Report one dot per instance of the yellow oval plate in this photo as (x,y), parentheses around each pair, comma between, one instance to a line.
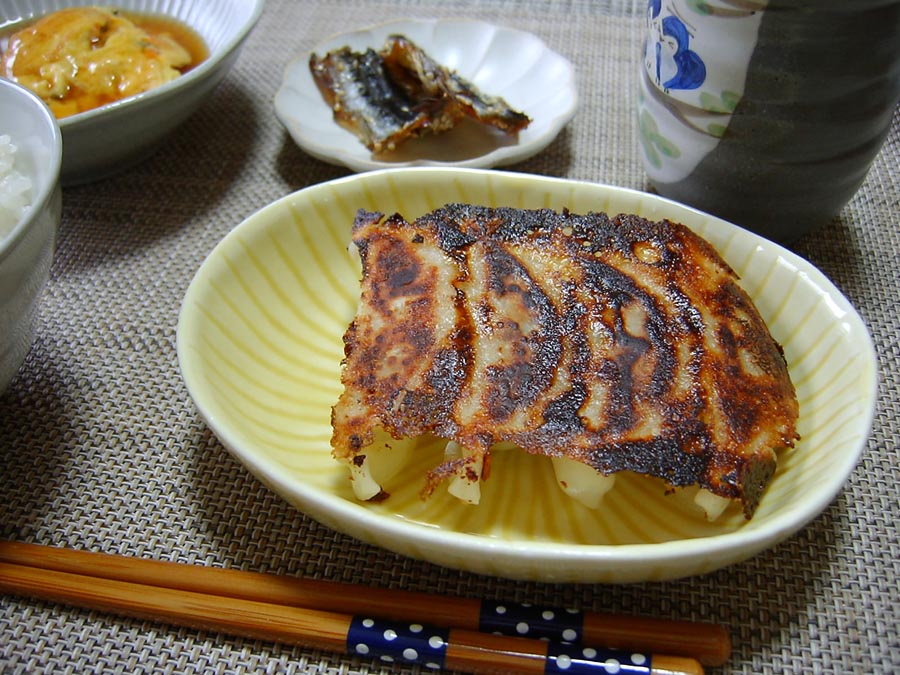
(260,348)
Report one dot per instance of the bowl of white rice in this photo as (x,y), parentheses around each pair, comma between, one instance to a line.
(30,207)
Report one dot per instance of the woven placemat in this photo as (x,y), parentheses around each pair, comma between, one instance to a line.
(102,449)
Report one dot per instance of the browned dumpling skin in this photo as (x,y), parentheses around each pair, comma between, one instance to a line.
(80,58)
(618,343)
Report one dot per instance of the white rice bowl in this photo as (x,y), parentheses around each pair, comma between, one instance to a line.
(30,209)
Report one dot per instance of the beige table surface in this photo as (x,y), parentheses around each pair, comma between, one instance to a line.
(102,449)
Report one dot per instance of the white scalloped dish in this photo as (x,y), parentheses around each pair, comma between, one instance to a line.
(500,61)
(260,348)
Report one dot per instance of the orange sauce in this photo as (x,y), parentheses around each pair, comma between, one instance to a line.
(187,37)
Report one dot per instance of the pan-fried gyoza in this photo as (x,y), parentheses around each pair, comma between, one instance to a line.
(607,344)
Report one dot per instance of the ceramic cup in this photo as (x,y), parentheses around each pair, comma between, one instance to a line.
(768,114)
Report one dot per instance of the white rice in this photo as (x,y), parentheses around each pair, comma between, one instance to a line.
(15,188)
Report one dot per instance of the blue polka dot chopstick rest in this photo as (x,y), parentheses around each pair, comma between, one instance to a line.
(475,636)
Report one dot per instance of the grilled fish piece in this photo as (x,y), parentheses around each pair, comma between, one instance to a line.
(615,343)
(365,101)
(386,98)
(423,79)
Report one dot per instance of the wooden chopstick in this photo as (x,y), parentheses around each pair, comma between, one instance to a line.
(453,649)
(125,585)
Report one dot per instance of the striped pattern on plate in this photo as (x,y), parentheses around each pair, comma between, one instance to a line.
(260,346)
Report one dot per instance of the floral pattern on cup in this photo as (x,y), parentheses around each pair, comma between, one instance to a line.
(695,63)
(670,59)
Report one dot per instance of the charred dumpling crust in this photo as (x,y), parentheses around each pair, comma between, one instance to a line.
(620,343)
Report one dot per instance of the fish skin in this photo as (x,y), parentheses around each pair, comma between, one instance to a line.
(422,78)
(388,97)
(364,100)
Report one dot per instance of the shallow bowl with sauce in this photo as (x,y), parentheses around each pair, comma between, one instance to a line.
(106,140)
